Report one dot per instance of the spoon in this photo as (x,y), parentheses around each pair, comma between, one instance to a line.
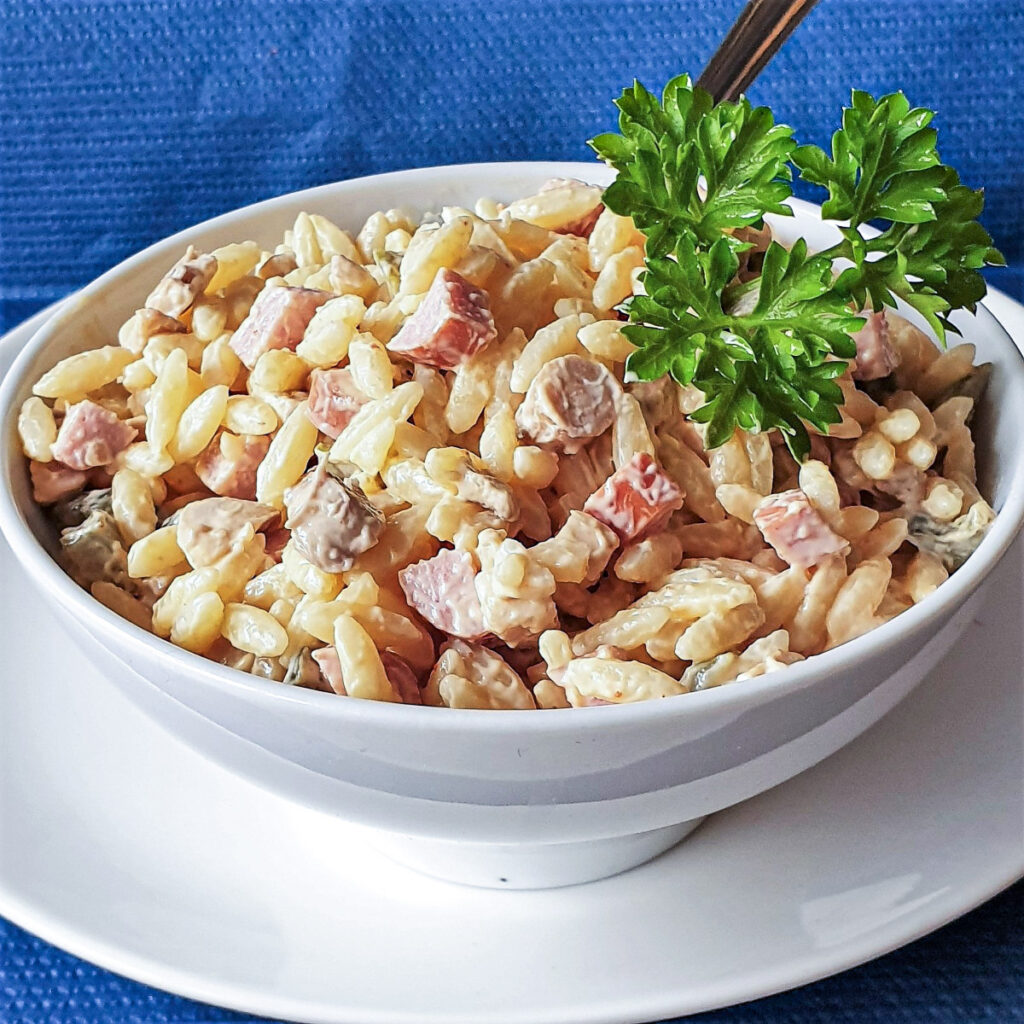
(755,37)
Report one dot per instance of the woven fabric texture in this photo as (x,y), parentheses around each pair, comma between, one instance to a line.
(126,120)
(969,972)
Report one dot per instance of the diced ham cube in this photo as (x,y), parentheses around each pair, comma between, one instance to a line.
(583,224)
(565,205)
(583,227)
(330,668)
(145,324)
(443,590)
(278,319)
(471,676)
(569,402)
(636,500)
(276,542)
(795,528)
(332,522)
(209,528)
(876,356)
(90,436)
(401,677)
(53,481)
(183,283)
(452,324)
(228,464)
(333,400)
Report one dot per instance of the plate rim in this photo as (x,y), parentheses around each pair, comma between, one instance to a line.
(797,971)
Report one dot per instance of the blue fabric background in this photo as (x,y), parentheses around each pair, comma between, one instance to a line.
(122,121)
(126,120)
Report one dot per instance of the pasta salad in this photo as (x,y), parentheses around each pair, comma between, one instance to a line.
(409,465)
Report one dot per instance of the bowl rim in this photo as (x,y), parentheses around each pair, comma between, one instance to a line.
(47,574)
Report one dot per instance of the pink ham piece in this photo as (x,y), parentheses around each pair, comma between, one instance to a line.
(276,541)
(183,283)
(442,589)
(333,400)
(401,677)
(209,528)
(278,319)
(795,528)
(584,225)
(875,355)
(229,462)
(90,436)
(452,324)
(330,668)
(53,481)
(636,500)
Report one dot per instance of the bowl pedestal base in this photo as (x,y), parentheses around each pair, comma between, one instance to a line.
(528,866)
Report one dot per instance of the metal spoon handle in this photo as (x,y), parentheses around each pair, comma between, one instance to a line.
(755,37)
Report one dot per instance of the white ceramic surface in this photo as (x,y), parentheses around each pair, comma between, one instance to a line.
(126,848)
(553,779)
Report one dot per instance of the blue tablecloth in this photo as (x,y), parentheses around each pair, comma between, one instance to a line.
(126,120)
(970,972)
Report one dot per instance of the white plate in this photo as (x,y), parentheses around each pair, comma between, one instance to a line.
(128,849)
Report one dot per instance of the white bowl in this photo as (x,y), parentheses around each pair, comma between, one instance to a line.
(517,800)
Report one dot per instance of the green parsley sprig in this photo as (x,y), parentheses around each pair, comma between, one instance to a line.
(885,169)
(691,173)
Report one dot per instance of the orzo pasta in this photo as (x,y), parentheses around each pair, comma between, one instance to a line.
(407,466)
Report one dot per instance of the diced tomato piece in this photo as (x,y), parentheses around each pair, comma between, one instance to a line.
(636,500)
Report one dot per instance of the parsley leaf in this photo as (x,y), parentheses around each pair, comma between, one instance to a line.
(883,164)
(766,353)
(770,367)
(690,167)
(885,167)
